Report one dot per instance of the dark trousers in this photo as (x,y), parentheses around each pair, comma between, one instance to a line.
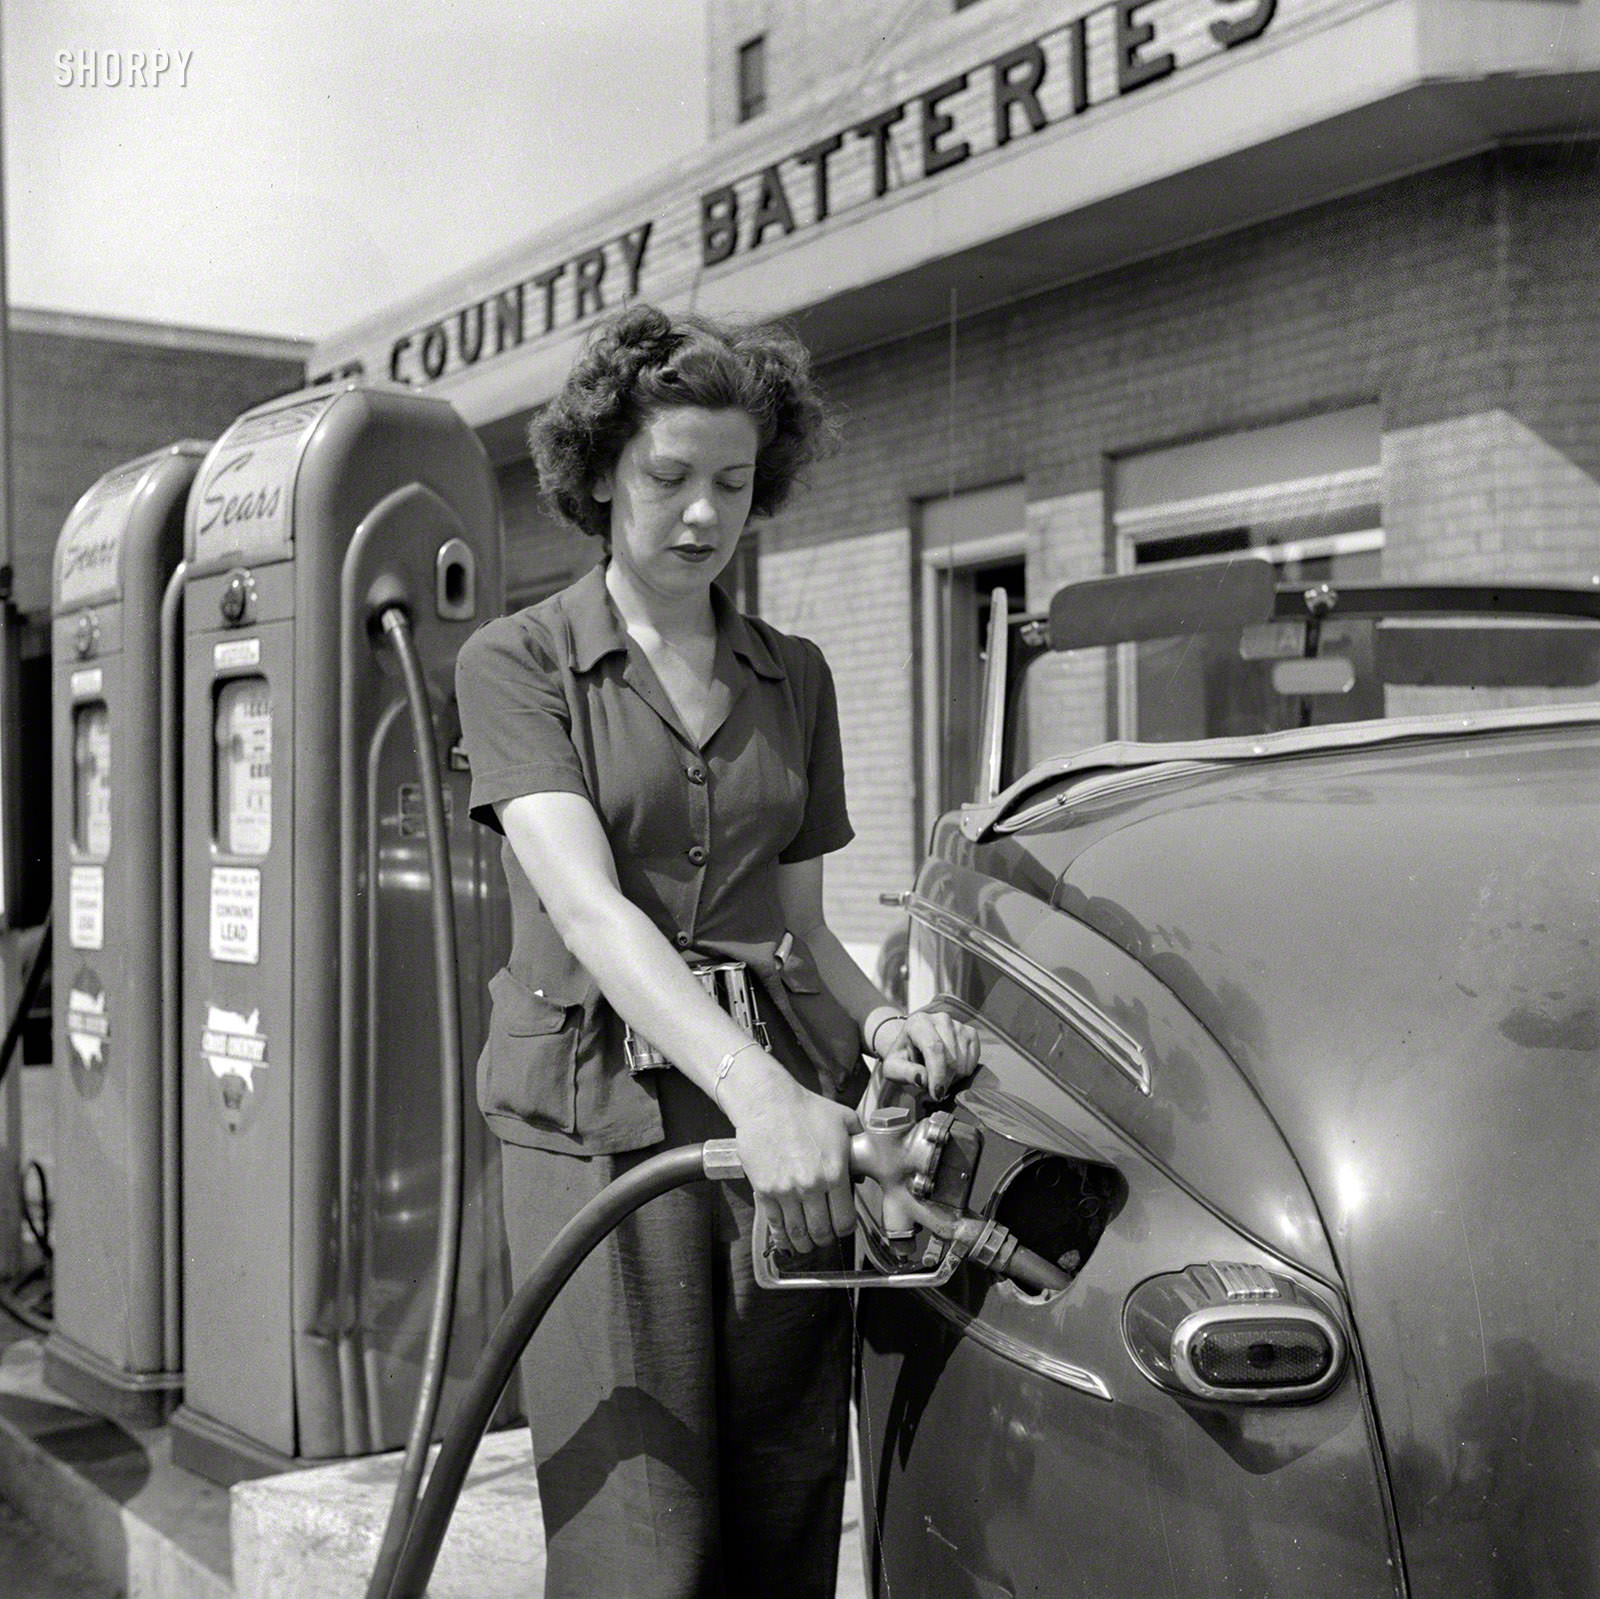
(690,1429)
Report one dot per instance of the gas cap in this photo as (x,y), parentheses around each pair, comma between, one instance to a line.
(888,1118)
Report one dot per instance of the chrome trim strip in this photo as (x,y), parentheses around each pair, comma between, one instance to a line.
(1008,1348)
(992,739)
(1102,785)
(1241,1280)
(1087,1020)
(1192,1325)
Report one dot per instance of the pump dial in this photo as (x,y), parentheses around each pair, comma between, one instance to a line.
(238,602)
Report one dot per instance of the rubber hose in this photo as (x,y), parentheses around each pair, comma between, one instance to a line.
(436,1352)
(30,992)
(15,1306)
(11,1292)
(517,1325)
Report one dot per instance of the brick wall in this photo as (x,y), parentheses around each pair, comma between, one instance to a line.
(1465,302)
(853,598)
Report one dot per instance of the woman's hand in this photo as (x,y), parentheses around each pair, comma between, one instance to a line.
(795,1147)
(933,1050)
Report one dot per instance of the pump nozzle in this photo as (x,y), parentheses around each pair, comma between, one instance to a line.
(923,1171)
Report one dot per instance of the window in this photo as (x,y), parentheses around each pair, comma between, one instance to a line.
(752,77)
(1305,494)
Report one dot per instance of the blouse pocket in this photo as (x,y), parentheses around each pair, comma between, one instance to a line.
(530,1063)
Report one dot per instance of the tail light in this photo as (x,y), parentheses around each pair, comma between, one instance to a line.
(1228,1331)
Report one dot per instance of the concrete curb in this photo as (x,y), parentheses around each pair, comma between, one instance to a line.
(317,1531)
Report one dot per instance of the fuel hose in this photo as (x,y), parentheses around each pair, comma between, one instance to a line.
(30,992)
(12,1292)
(397,627)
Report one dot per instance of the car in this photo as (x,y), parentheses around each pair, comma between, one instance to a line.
(1291,1062)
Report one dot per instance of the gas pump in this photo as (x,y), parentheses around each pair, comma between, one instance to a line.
(115,1343)
(309,1036)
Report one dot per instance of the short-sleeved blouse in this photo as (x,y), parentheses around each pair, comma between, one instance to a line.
(558,697)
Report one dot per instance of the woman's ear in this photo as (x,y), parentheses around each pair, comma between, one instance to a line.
(601,488)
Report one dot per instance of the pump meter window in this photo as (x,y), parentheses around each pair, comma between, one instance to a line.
(91,780)
(244,766)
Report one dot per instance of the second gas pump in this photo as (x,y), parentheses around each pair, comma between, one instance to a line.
(309,1031)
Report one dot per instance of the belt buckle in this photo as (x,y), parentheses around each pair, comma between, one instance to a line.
(728,983)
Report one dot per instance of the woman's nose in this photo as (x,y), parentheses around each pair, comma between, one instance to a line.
(700,512)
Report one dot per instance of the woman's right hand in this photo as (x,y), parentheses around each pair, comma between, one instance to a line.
(795,1148)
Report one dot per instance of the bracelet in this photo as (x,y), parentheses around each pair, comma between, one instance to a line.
(725,1065)
(872,1040)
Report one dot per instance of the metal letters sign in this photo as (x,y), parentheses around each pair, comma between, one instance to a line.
(1107,51)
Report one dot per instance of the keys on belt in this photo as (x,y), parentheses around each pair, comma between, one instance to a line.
(729,984)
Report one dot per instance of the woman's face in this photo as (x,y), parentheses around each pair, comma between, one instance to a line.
(679,497)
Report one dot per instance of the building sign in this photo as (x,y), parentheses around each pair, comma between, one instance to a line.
(1070,70)
(1060,74)
(571,291)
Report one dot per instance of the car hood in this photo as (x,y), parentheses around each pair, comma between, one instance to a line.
(1401,950)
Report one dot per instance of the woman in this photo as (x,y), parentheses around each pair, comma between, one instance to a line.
(668,777)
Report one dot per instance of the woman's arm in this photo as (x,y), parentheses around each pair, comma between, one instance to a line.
(929,1048)
(794,1144)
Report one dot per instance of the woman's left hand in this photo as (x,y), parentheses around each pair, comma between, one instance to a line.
(934,1051)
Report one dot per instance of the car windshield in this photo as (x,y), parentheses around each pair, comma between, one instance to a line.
(1265,677)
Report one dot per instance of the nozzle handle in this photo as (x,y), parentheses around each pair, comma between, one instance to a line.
(886,1155)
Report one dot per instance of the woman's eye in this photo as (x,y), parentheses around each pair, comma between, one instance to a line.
(666,479)
(733,488)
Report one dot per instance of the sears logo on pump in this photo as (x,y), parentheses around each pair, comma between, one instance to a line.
(255,502)
(88,1030)
(241,508)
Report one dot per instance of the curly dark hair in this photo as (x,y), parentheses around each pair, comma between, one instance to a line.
(642,360)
